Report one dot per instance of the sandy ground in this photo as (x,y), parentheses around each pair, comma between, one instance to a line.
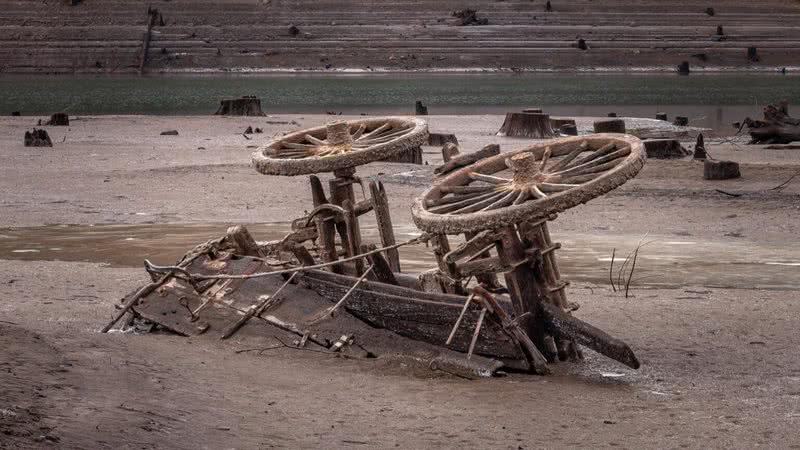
(720,366)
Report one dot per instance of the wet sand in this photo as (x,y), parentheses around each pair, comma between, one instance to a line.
(719,364)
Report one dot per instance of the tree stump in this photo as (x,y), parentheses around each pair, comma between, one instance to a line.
(531,125)
(293,30)
(568,129)
(420,109)
(681,121)
(410,156)
(557,123)
(720,170)
(683,68)
(752,54)
(439,139)
(661,116)
(581,44)
(664,149)
(532,110)
(700,148)
(710,11)
(612,114)
(58,119)
(37,138)
(609,126)
(243,106)
(720,32)
(15,113)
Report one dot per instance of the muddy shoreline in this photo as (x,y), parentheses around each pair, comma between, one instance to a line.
(719,366)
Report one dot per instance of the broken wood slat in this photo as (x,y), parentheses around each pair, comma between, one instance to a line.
(449,151)
(133,299)
(536,361)
(362,207)
(383,273)
(353,235)
(380,204)
(539,235)
(565,326)
(492,264)
(467,159)
(267,301)
(423,320)
(303,256)
(326,230)
(472,246)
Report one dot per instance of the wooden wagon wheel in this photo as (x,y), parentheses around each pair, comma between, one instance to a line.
(528,184)
(340,145)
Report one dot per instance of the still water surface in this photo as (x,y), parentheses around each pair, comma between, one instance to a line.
(710,100)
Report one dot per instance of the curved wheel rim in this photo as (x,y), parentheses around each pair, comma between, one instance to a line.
(529,184)
(340,145)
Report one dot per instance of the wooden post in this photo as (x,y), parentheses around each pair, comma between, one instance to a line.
(353,236)
(380,204)
(325,228)
(341,189)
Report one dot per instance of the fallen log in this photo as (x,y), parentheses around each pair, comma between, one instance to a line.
(467,159)
(777,127)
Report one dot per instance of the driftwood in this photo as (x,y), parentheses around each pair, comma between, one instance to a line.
(467,158)
(37,138)
(609,126)
(720,170)
(243,106)
(449,151)
(58,119)
(523,124)
(777,127)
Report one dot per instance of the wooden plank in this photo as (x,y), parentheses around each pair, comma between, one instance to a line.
(380,204)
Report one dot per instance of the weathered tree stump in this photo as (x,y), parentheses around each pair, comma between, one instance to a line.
(293,30)
(609,126)
(58,119)
(661,116)
(720,32)
(568,129)
(752,54)
(581,44)
(243,106)
(420,109)
(683,68)
(777,127)
(557,123)
(15,113)
(439,139)
(720,170)
(248,130)
(700,148)
(469,17)
(681,121)
(410,156)
(710,11)
(531,125)
(612,114)
(664,149)
(37,138)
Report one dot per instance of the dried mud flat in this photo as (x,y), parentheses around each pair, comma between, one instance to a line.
(720,366)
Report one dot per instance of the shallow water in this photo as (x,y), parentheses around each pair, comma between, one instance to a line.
(710,100)
(662,261)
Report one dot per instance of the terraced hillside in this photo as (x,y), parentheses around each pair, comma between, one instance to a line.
(107,35)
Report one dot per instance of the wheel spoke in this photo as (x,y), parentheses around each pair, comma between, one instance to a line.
(296,145)
(535,192)
(463,203)
(314,140)
(577,179)
(452,199)
(523,196)
(567,159)
(488,178)
(505,201)
(556,187)
(625,151)
(477,206)
(465,189)
(597,153)
(375,131)
(545,158)
(359,131)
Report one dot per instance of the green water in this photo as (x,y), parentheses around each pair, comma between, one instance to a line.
(710,99)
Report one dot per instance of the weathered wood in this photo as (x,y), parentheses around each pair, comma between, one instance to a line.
(681,121)
(557,123)
(383,219)
(303,256)
(449,151)
(609,126)
(58,119)
(720,170)
(473,245)
(568,130)
(440,139)
(661,116)
(325,228)
(467,159)
(242,241)
(420,109)
(664,149)
(531,125)
(353,234)
(243,106)
(409,316)
(144,291)
(37,138)
(700,148)
(380,267)
(777,127)
(411,156)
(476,267)
(563,325)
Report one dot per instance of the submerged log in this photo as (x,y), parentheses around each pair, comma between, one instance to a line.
(531,125)
(664,149)
(243,106)
(58,119)
(720,170)
(609,126)
(777,127)
(37,138)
